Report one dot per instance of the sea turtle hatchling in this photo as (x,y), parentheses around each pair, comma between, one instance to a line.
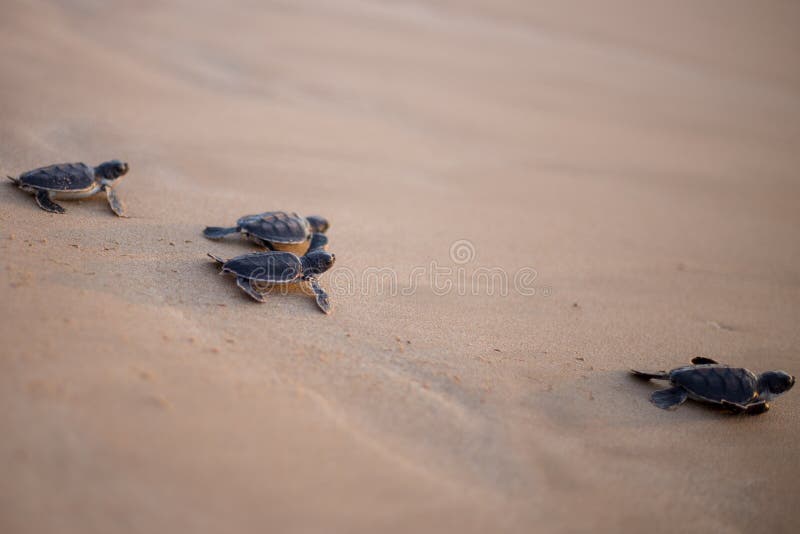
(256,270)
(73,180)
(736,389)
(273,227)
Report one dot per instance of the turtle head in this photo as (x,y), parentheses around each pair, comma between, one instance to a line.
(317,262)
(111,170)
(773,383)
(318,224)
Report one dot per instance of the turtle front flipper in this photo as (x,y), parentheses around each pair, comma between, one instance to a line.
(323,300)
(45,201)
(734,407)
(248,288)
(669,399)
(217,232)
(318,242)
(114,202)
(700,360)
(757,408)
(749,409)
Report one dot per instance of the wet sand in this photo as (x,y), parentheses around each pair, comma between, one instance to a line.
(639,163)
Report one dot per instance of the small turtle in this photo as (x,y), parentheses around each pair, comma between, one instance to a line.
(736,389)
(277,267)
(273,227)
(73,180)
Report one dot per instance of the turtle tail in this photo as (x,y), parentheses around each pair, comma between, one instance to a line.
(12,179)
(216,259)
(647,375)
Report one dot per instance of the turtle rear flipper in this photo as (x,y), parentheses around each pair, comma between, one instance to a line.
(248,288)
(45,201)
(218,232)
(669,399)
(700,360)
(647,375)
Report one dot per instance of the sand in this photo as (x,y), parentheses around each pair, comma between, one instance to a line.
(637,162)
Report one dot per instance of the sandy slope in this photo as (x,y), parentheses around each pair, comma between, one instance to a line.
(641,158)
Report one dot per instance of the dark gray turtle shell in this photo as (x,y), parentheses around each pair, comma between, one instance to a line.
(276,227)
(61,177)
(717,383)
(272,267)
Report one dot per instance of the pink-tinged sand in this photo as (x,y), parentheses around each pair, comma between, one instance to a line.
(642,158)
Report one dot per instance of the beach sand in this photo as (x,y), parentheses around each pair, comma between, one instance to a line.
(633,168)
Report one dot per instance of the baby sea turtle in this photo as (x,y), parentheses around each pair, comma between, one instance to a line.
(733,388)
(254,271)
(73,180)
(273,227)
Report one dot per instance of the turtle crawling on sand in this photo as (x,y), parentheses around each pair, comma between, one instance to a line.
(734,388)
(73,180)
(258,269)
(273,227)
